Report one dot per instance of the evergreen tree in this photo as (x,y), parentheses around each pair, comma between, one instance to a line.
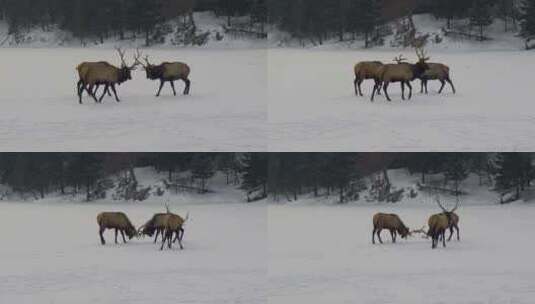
(255,175)
(514,171)
(456,166)
(480,16)
(528,18)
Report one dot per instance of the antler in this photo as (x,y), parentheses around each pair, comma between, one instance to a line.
(167,207)
(440,205)
(421,230)
(121,55)
(399,59)
(137,55)
(420,52)
(456,204)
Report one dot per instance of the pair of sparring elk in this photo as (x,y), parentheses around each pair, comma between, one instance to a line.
(401,71)
(164,224)
(167,224)
(93,74)
(438,224)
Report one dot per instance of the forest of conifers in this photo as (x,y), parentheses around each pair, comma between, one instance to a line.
(305,19)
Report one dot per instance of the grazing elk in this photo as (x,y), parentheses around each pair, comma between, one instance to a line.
(103,73)
(436,71)
(365,70)
(402,72)
(439,223)
(172,224)
(156,224)
(167,71)
(118,221)
(392,222)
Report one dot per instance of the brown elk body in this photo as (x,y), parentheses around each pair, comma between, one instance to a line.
(365,70)
(167,72)
(439,223)
(399,72)
(103,73)
(392,222)
(157,224)
(118,221)
(82,69)
(436,71)
(172,224)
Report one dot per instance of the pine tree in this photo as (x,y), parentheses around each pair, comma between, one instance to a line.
(368,18)
(202,168)
(480,16)
(528,18)
(514,171)
(254,175)
(456,166)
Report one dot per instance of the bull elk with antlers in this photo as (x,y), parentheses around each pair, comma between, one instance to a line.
(400,71)
(103,73)
(392,222)
(440,222)
(167,71)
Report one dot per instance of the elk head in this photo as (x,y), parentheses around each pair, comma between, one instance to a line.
(445,211)
(125,70)
(421,66)
(153,71)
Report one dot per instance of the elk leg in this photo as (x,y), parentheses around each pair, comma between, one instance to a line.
(100,232)
(451,233)
(442,86)
(379,235)
(421,86)
(160,89)
(385,89)
(444,238)
(425,84)
(451,84)
(188,85)
(180,241)
(122,234)
(103,93)
(173,87)
(393,235)
(408,83)
(156,237)
(90,92)
(379,88)
(115,235)
(355,85)
(80,90)
(163,241)
(114,93)
(403,90)
(360,88)
(373,235)
(169,237)
(373,92)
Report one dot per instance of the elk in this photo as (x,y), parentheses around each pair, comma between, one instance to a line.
(156,224)
(105,74)
(391,222)
(166,71)
(118,221)
(172,223)
(365,70)
(439,223)
(402,72)
(82,69)
(436,71)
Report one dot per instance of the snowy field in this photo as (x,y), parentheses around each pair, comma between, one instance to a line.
(51,253)
(226,110)
(312,105)
(325,255)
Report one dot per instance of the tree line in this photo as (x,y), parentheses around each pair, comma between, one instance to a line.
(292,175)
(40,174)
(122,19)
(318,20)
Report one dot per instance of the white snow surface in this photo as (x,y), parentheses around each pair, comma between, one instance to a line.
(56,257)
(313,107)
(226,110)
(320,254)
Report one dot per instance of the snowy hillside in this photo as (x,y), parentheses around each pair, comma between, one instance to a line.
(206,22)
(425,24)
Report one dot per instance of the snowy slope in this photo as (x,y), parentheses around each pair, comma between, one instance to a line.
(313,107)
(58,257)
(226,110)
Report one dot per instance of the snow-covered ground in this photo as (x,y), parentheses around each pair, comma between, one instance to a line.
(226,110)
(312,105)
(334,261)
(51,253)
